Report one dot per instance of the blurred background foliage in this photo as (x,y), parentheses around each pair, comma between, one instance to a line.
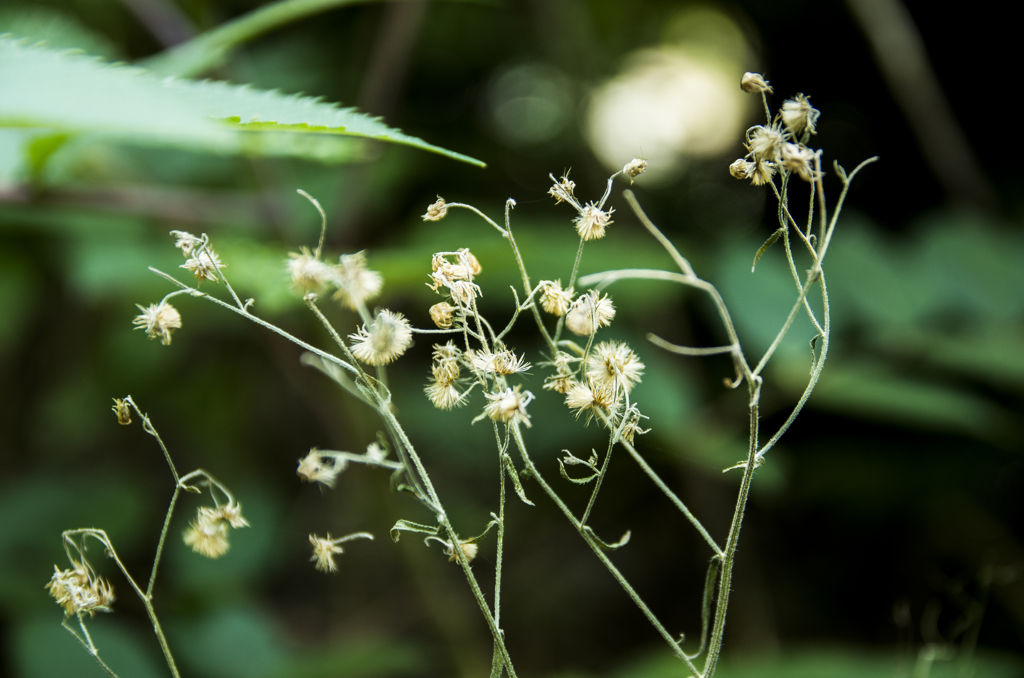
(884,535)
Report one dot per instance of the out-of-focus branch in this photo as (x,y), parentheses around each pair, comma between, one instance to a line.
(901,57)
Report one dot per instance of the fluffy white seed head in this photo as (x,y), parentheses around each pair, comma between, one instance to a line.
(356,283)
(159,320)
(589,313)
(384,340)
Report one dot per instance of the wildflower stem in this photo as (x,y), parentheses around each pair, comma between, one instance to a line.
(323,220)
(601,473)
(160,543)
(725,580)
(89,646)
(263,323)
(584,532)
(507,232)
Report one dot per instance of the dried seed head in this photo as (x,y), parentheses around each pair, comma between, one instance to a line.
(441,314)
(324,550)
(204,265)
(308,273)
(502,362)
(356,283)
(123,411)
(632,427)
(562,190)
(764,143)
(387,338)
(589,313)
(509,406)
(456,278)
(80,589)
(159,320)
(634,168)
(741,169)
(207,534)
(588,398)
(592,222)
(563,378)
(448,351)
(185,241)
(469,261)
(317,468)
(437,211)
(613,365)
(799,160)
(754,83)
(231,513)
(799,116)
(444,396)
(554,299)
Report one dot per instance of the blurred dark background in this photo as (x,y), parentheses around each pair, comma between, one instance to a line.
(884,534)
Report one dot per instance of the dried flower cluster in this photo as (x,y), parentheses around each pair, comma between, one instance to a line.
(80,589)
(780,144)
(159,320)
(207,534)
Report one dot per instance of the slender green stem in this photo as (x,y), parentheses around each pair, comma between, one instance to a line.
(160,543)
(89,646)
(725,580)
(600,476)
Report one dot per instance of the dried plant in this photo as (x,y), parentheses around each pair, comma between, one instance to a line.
(597,378)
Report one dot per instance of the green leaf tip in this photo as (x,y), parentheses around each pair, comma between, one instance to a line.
(71,93)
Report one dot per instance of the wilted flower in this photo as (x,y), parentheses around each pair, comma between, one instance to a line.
(634,168)
(469,549)
(592,222)
(562,190)
(613,365)
(387,337)
(563,379)
(589,397)
(444,396)
(754,83)
(509,406)
(204,265)
(324,550)
(207,534)
(553,298)
(80,589)
(185,241)
(764,143)
(441,314)
(375,452)
(799,116)
(308,273)
(799,160)
(159,320)
(123,411)
(589,313)
(356,283)
(437,211)
(500,362)
(318,468)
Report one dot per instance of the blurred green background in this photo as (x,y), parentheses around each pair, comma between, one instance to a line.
(883,533)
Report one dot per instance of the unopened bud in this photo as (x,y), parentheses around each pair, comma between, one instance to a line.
(754,83)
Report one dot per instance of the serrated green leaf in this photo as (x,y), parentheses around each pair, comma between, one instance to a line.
(514,477)
(409,526)
(71,93)
(605,545)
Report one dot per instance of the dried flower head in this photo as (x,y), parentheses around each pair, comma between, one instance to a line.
(589,313)
(356,283)
(563,379)
(754,83)
(613,365)
(324,550)
(319,468)
(231,513)
(185,241)
(457,278)
(634,168)
(437,211)
(741,169)
(207,534)
(159,320)
(799,160)
(503,362)
(554,299)
(631,429)
(79,589)
(509,406)
(592,222)
(799,116)
(123,410)
(444,396)
(308,273)
(562,190)
(442,314)
(764,143)
(588,398)
(205,265)
(387,337)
